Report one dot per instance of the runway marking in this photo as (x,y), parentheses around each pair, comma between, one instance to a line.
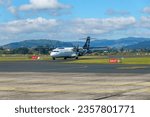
(147,90)
(76,90)
(133,67)
(76,67)
(5,80)
(116,83)
(7,89)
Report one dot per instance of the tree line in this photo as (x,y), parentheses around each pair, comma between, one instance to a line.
(25,50)
(45,50)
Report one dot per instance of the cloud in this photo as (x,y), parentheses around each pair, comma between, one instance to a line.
(12,9)
(100,26)
(117,12)
(140,29)
(42,5)
(6,2)
(106,28)
(52,7)
(40,28)
(144,22)
(146,10)
(28,26)
(8,5)
(1,1)
(28,29)
(103,28)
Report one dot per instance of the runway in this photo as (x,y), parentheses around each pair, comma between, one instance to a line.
(59,81)
(60,67)
(74,86)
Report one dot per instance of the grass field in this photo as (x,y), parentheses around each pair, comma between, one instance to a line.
(81,60)
(105,60)
(143,60)
(22,57)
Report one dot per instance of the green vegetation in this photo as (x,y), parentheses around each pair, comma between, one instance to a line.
(142,60)
(104,60)
(81,60)
(17,57)
(44,50)
(90,60)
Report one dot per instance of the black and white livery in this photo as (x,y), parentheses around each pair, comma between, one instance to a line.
(71,52)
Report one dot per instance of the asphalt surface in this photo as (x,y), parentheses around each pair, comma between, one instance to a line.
(54,80)
(59,66)
(74,86)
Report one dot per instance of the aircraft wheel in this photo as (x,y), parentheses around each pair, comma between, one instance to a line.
(54,58)
(77,57)
(65,58)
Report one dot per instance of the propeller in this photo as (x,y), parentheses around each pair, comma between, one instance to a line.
(76,48)
(87,38)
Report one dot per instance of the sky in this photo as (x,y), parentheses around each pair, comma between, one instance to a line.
(69,20)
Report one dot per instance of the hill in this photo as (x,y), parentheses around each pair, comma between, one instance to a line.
(130,42)
(115,43)
(36,43)
(119,42)
(145,45)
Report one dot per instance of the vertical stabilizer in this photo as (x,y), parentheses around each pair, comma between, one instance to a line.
(87,43)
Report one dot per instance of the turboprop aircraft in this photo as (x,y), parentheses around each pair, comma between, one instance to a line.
(71,52)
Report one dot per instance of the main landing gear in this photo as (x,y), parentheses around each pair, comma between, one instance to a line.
(77,57)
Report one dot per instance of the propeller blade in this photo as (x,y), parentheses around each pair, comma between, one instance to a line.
(86,38)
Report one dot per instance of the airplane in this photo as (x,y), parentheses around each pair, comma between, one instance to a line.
(71,52)
(75,52)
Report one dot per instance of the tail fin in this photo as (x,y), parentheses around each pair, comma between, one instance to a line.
(87,43)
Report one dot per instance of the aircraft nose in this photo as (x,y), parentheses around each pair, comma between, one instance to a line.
(53,54)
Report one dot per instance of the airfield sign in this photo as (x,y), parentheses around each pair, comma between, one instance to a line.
(35,57)
(114,60)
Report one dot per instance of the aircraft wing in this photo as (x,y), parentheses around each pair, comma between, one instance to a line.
(99,48)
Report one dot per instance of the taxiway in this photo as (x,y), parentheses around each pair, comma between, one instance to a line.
(60,67)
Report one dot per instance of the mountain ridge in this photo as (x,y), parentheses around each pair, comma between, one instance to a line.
(36,43)
(123,42)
